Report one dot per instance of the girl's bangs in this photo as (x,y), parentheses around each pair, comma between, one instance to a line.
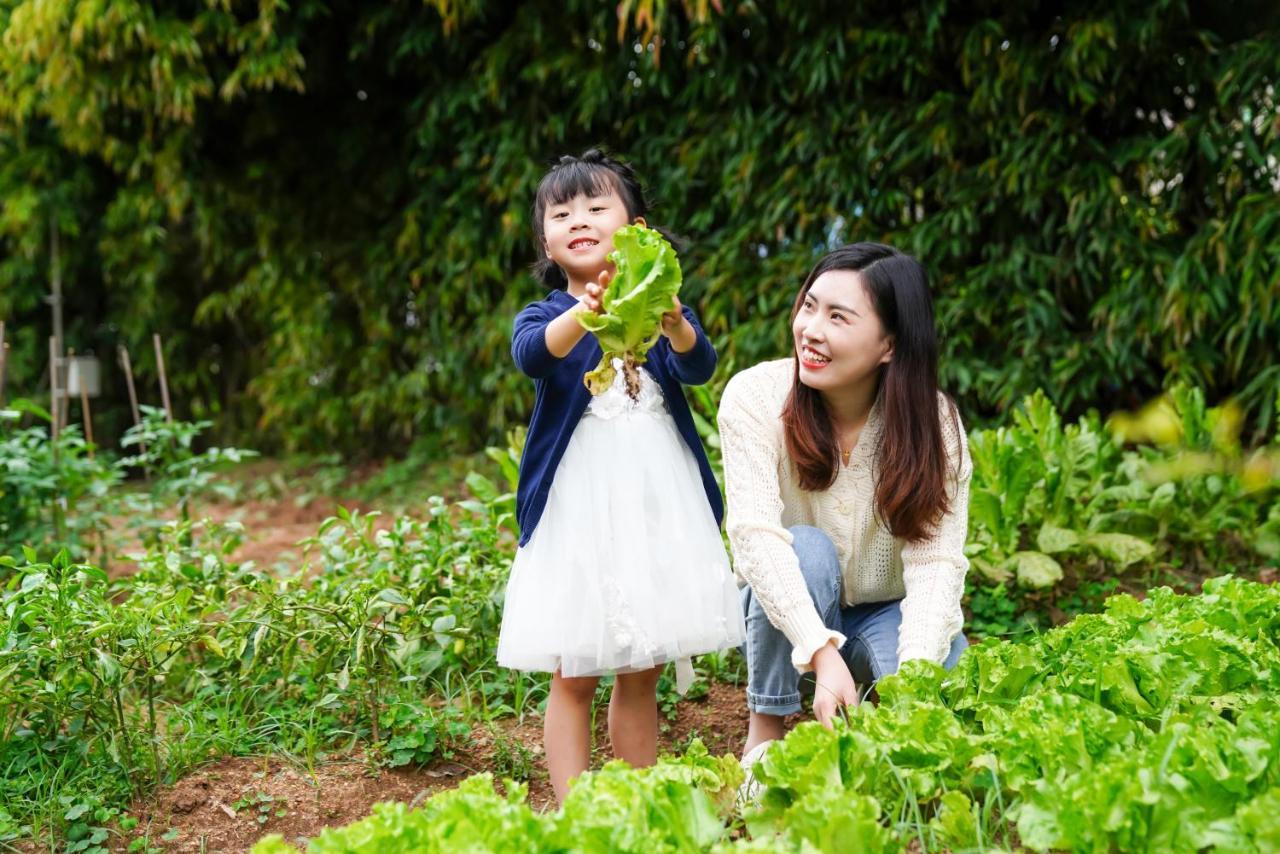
(576,179)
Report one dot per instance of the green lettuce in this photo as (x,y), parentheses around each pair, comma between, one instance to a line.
(1154,726)
(643,289)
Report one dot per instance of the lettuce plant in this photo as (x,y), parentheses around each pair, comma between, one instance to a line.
(643,289)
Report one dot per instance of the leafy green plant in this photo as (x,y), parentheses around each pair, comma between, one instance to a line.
(263,806)
(677,805)
(412,599)
(52,494)
(63,495)
(511,758)
(1083,736)
(165,451)
(107,689)
(993,613)
(1038,479)
(1049,500)
(471,817)
(1151,725)
(417,733)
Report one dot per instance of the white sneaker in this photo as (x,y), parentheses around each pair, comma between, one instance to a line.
(749,791)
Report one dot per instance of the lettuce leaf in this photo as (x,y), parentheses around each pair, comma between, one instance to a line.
(643,289)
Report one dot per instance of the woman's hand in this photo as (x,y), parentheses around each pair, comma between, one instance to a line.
(835,689)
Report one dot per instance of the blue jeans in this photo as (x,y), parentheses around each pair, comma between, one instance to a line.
(871,651)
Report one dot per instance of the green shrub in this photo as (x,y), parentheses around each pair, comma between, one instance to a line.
(292,196)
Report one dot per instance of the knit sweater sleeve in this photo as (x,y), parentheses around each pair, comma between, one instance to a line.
(933,569)
(529,340)
(697,365)
(761,545)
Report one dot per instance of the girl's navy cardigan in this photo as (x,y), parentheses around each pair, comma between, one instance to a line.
(561,398)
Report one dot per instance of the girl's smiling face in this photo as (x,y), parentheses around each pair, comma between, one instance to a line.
(839,338)
(578,233)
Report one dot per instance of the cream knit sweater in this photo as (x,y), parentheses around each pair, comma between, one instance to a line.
(765,499)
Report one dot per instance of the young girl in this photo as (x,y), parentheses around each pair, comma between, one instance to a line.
(621,567)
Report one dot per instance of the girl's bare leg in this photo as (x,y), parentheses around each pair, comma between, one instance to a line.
(566,729)
(633,717)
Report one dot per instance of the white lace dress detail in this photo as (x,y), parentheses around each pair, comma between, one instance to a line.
(626,569)
(615,400)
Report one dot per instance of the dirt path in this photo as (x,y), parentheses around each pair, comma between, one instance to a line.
(272,527)
(230,804)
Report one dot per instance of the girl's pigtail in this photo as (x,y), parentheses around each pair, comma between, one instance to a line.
(677,242)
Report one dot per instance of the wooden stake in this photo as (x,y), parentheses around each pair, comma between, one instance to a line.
(164,382)
(127,367)
(85,416)
(88,417)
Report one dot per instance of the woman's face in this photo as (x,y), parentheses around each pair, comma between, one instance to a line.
(839,338)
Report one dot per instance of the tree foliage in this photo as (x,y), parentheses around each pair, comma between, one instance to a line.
(323,206)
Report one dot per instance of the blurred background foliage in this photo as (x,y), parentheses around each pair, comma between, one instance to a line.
(324,207)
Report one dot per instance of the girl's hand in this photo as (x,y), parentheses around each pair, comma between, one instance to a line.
(593,301)
(672,320)
(678,330)
(835,689)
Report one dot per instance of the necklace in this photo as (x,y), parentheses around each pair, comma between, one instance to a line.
(847,454)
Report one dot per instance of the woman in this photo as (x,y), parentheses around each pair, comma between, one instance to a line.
(847,476)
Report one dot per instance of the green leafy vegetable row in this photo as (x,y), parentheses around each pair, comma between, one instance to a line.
(1154,726)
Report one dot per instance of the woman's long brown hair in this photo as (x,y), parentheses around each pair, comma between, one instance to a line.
(911,486)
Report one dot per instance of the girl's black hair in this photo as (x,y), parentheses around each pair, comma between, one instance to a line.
(592,173)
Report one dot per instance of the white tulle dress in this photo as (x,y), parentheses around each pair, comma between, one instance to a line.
(626,568)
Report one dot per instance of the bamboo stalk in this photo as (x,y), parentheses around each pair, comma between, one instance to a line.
(4,360)
(55,275)
(164,381)
(53,392)
(57,461)
(64,401)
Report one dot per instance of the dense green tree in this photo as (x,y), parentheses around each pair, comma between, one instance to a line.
(324,207)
